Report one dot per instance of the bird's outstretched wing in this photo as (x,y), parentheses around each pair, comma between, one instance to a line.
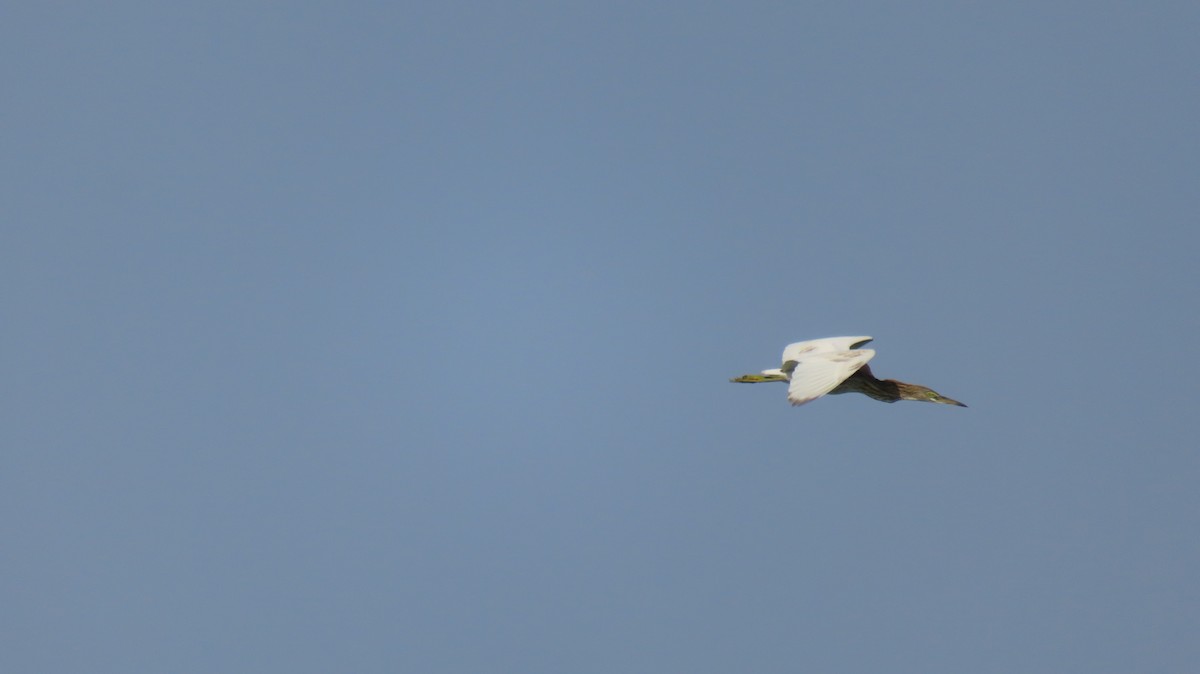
(813,372)
(826,345)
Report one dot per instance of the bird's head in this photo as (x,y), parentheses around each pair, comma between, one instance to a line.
(925,394)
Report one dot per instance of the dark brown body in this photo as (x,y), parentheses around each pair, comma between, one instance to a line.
(863,381)
(888,390)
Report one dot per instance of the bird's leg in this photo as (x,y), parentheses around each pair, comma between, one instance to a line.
(758,378)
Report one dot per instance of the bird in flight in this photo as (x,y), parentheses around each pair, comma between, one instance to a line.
(837,365)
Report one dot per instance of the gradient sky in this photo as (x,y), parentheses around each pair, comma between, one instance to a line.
(395,337)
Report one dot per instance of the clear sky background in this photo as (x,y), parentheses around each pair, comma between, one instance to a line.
(395,337)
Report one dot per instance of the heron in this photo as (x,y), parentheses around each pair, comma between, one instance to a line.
(836,365)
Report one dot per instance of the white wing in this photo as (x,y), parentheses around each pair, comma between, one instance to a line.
(826,345)
(818,372)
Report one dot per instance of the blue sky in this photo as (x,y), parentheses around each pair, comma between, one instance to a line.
(384,337)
